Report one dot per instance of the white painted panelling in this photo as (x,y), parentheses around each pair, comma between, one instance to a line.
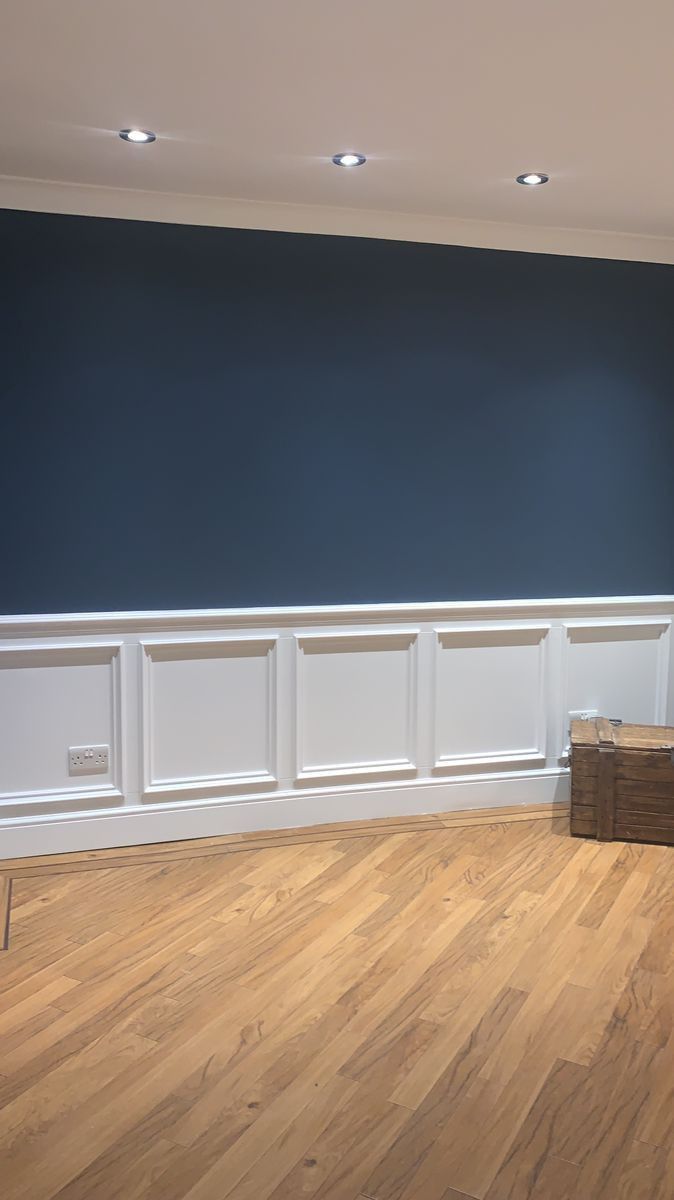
(356,703)
(209,714)
(52,696)
(619,668)
(227,720)
(490,696)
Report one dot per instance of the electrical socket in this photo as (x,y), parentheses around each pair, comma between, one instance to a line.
(583,714)
(88,760)
(577,714)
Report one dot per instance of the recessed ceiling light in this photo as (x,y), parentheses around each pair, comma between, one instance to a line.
(532,179)
(139,136)
(348,160)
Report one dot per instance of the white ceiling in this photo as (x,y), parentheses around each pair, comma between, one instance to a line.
(449,99)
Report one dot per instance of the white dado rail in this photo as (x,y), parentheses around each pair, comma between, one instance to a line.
(237,720)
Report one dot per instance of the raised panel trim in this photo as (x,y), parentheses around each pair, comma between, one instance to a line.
(651,627)
(318,641)
(228,782)
(587,624)
(495,634)
(71,653)
(362,639)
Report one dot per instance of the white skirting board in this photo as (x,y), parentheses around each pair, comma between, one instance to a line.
(224,721)
(143,824)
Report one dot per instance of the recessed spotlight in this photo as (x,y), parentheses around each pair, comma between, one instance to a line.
(348,160)
(532,179)
(139,136)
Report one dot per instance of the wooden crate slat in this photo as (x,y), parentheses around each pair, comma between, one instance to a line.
(652,804)
(586,770)
(646,737)
(583,793)
(638,833)
(647,819)
(585,756)
(585,828)
(633,769)
(584,810)
(640,787)
(638,759)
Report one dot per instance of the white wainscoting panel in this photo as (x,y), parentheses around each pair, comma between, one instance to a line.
(619,668)
(54,695)
(224,721)
(356,704)
(490,696)
(209,710)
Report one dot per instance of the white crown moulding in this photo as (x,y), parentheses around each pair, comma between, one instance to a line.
(93,200)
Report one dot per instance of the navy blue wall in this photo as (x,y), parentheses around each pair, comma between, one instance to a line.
(200,417)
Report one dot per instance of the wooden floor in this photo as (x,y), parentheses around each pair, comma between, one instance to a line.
(437,1012)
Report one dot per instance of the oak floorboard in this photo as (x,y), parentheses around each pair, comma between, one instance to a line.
(455,1007)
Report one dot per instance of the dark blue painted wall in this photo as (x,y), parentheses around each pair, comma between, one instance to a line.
(200,417)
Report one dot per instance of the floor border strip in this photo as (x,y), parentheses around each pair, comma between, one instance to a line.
(5,910)
(143,856)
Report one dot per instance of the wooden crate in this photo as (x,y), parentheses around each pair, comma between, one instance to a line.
(622,781)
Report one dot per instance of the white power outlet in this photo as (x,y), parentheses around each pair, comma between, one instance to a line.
(88,760)
(577,714)
(583,714)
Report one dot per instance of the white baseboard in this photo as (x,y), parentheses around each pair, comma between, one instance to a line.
(226,721)
(142,824)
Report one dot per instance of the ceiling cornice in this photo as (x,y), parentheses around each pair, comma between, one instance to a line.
(43,195)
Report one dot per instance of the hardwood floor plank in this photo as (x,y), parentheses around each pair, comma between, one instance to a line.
(603,1161)
(40,999)
(536,1013)
(313,1093)
(482,949)
(461,1007)
(398,1168)
(604,897)
(271,1162)
(556,1180)
(601,1118)
(605,996)
(68,1086)
(520,1171)
(486,1122)
(337,1163)
(128,1171)
(647,1173)
(656,1124)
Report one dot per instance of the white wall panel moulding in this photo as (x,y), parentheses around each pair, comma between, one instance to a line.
(225,738)
(498,671)
(225,721)
(356,699)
